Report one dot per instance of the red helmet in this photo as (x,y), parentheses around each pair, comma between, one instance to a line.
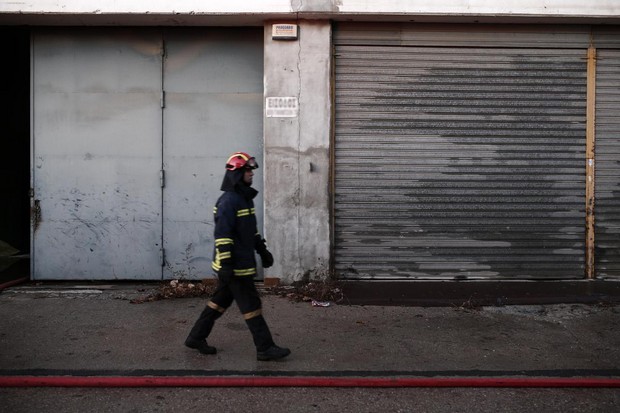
(240,160)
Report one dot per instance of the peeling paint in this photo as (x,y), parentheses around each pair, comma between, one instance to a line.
(456,163)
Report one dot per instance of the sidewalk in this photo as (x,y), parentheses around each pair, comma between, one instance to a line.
(93,329)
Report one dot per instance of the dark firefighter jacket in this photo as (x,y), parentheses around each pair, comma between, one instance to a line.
(235,234)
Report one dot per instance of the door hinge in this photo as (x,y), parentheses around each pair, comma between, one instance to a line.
(162,256)
(163,99)
(162,178)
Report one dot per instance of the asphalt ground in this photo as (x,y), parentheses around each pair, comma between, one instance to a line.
(106,339)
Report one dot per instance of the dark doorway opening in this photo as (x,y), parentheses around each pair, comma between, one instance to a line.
(15,154)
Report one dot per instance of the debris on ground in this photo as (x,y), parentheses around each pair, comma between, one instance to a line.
(319,293)
(323,293)
(179,289)
(469,305)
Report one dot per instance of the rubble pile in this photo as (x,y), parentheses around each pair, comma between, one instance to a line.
(319,293)
(179,289)
(323,291)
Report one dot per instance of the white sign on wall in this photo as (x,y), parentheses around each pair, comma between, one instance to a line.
(284,32)
(282,107)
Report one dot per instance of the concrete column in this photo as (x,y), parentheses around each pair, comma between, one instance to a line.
(296,153)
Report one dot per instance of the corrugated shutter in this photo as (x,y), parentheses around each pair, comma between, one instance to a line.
(607,203)
(459,162)
(468,35)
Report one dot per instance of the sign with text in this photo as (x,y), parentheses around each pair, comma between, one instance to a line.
(284,32)
(282,107)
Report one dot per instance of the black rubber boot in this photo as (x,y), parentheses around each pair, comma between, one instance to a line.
(202,328)
(266,349)
(273,353)
(200,345)
(260,333)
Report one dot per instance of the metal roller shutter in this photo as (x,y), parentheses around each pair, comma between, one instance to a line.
(458,162)
(607,205)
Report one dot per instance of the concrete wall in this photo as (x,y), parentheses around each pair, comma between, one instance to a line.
(492,7)
(296,170)
(484,7)
(243,12)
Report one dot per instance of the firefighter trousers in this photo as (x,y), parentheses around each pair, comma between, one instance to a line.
(243,291)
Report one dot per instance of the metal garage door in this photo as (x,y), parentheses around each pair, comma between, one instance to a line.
(607,205)
(459,153)
(128,146)
(213,85)
(97,155)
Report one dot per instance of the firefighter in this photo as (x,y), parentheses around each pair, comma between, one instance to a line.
(236,238)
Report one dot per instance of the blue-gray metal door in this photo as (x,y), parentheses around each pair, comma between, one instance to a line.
(213,85)
(129,147)
(96,134)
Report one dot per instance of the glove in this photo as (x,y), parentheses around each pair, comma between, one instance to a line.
(265,255)
(266,258)
(225,274)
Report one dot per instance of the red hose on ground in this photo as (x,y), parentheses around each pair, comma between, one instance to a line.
(13,282)
(177,381)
